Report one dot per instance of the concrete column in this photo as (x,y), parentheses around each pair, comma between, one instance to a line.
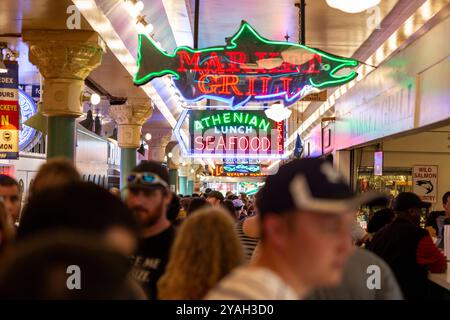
(129,119)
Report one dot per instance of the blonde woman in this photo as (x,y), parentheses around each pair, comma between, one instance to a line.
(205,250)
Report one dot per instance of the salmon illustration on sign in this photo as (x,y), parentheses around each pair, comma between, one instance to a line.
(248,68)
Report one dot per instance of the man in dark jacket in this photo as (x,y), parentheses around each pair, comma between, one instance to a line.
(407,248)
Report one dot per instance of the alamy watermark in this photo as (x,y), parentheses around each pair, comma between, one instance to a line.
(73,21)
(373,282)
(74,279)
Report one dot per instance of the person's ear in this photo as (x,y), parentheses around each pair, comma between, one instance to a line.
(275,229)
(168,197)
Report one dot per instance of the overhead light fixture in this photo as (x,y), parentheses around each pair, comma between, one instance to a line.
(278,112)
(95,99)
(352,6)
(192,170)
(170,155)
(139,6)
(148,136)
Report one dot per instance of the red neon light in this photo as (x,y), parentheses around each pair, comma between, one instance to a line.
(230,82)
(265,85)
(280,137)
(212,83)
(189,59)
(236,58)
(237,61)
(213,64)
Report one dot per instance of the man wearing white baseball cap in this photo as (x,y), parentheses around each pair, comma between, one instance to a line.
(306,213)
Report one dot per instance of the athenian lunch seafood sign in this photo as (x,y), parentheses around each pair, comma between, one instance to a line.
(248,68)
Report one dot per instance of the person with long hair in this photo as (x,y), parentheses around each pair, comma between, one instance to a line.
(205,250)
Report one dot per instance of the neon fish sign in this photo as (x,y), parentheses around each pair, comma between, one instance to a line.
(248,68)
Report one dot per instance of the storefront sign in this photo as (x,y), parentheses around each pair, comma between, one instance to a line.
(240,161)
(425,180)
(232,134)
(28,108)
(238,170)
(9,112)
(248,68)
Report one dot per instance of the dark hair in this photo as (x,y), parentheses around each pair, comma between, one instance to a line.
(232,197)
(55,172)
(196,204)
(208,190)
(7,181)
(104,272)
(174,208)
(80,206)
(445,197)
(195,195)
(229,208)
(153,167)
(379,219)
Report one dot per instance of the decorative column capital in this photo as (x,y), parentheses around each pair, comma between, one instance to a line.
(129,119)
(65,58)
(157,144)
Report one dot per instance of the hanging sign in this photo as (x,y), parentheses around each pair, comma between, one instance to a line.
(9,112)
(232,134)
(238,170)
(319,96)
(248,68)
(425,180)
(27,107)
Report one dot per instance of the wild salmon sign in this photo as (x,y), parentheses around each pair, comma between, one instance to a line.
(248,68)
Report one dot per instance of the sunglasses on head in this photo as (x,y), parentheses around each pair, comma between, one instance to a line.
(146,178)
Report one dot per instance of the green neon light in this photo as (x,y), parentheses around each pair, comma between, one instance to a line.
(341,79)
(239,119)
(165,71)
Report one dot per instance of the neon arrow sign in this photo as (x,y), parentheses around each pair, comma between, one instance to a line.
(248,68)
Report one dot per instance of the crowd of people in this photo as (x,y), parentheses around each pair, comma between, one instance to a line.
(297,238)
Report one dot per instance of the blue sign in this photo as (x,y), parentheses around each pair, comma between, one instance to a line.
(242,168)
(27,109)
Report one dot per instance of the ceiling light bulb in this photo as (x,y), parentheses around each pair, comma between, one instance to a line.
(170,155)
(278,112)
(352,6)
(139,6)
(95,99)
(149,28)
(140,27)
(148,136)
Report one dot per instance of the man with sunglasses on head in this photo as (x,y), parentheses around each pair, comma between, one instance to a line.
(149,197)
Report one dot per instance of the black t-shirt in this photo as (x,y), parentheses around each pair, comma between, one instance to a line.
(150,260)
